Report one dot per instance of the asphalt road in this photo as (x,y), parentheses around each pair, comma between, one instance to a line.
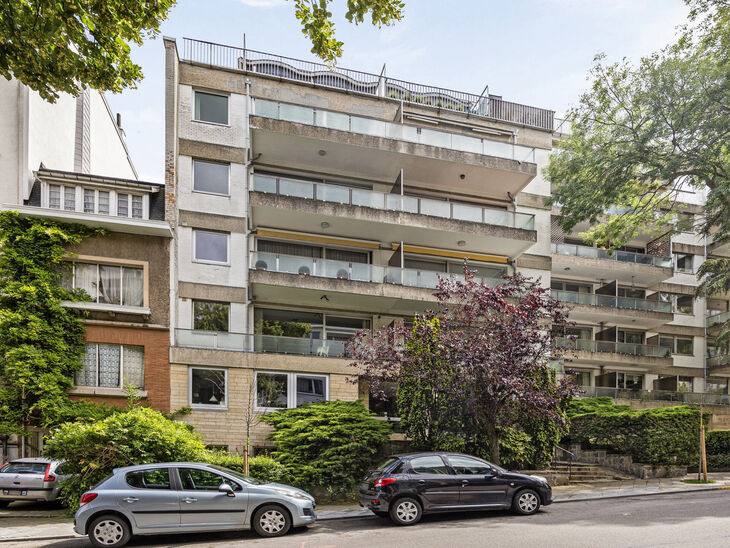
(687,519)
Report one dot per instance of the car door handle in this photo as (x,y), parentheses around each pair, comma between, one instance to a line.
(465,482)
(189,500)
(422,482)
(130,499)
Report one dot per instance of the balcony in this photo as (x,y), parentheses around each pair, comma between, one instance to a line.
(246,342)
(585,345)
(592,307)
(380,216)
(717,364)
(298,137)
(655,395)
(717,319)
(379,85)
(628,267)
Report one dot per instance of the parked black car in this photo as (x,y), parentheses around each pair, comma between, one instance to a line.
(405,487)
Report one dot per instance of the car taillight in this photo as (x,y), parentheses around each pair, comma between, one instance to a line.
(86,498)
(382,482)
(49,476)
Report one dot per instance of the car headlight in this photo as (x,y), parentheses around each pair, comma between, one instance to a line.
(294,495)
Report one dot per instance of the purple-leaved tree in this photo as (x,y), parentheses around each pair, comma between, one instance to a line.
(475,367)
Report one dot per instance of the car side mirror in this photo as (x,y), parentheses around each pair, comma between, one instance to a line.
(227,489)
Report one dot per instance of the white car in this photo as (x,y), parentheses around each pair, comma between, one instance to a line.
(35,479)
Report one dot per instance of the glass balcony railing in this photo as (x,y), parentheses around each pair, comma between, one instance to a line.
(339,194)
(246,342)
(717,361)
(391,130)
(325,268)
(620,256)
(655,395)
(587,345)
(610,301)
(718,319)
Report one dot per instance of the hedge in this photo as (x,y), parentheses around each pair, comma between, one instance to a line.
(664,435)
(581,406)
(263,469)
(717,442)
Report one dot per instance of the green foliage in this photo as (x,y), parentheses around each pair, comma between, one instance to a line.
(581,406)
(264,469)
(55,47)
(283,329)
(717,442)
(318,27)
(138,435)
(516,449)
(40,341)
(327,446)
(718,462)
(664,435)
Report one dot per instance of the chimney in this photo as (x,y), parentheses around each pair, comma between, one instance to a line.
(119,120)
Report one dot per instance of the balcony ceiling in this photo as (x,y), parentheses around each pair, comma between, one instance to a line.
(583,268)
(363,157)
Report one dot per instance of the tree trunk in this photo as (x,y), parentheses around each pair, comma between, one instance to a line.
(493,438)
(245,459)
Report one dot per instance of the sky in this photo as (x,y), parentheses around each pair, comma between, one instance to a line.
(535,52)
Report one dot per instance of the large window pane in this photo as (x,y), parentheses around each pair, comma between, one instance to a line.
(210,316)
(428,465)
(103,202)
(87,278)
(211,246)
(271,390)
(158,478)
(210,177)
(87,375)
(123,205)
(137,207)
(69,198)
(310,389)
(89,200)
(211,108)
(133,286)
(469,466)
(194,479)
(208,387)
(134,365)
(684,346)
(110,284)
(109,362)
(54,196)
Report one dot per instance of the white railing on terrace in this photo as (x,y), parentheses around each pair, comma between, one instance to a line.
(563,127)
(247,342)
(593,299)
(235,58)
(655,395)
(620,256)
(718,318)
(361,272)
(391,130)
(327,192)
(587,345)
(718,361)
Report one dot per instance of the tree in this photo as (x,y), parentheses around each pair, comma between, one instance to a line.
(644,134)
(55,47)
(41,342)
(473,369)
(317,25)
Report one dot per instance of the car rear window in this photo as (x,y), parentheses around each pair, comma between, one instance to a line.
(24,468)
(386,463)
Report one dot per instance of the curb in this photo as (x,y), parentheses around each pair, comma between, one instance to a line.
(34,539)
(627,495)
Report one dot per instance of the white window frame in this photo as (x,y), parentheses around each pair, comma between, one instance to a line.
(206,406)
(140,265)
(228,108)
(227,262)
(228,177)
(291,387)
(79,191)
(121,365)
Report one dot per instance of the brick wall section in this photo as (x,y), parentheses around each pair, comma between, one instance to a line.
(156,344)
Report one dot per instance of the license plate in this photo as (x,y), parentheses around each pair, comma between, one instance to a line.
(16,492)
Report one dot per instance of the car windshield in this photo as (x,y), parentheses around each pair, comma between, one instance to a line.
(237,475)
(24,468)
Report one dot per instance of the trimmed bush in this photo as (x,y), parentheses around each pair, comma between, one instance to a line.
(717,442)
(664,435)
(327,447)
(582,406)
(263,469)
(138,435)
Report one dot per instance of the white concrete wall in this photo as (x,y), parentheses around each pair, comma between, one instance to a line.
(233,274)
(51,134)
(11,102)
(108,155)
(235,204)
(232,134)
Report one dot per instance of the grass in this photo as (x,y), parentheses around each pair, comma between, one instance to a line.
(699,481)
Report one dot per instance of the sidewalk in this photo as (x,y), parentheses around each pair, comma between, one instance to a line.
(33,523)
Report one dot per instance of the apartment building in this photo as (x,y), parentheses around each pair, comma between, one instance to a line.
(68,162)
(307,204)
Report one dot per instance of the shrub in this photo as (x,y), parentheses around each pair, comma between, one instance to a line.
(717,442)
(327,446)
(664,435)
(581,406)
(134,436)
(263,469)
(515,449)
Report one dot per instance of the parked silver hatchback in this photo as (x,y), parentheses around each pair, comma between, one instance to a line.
(34,479)
(184,497)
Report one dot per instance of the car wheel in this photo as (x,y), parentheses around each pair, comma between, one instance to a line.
(380,514)
(109,531)
(271,521)
(526,502)
(406,511)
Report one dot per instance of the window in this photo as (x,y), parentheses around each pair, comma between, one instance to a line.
(210,107)
(158,478)
(89,200)
(137,207)
(282,390)
(683,304)
(685,384)
(210,177)
(54,196)
(626,381)
(683,262)
(581,378)
(467,465)
(210,316)
(25,468)
(108,284)
(210,246)
(208,387)
(69,198)
(428,465)
(112,366)
(194,479)
(62,197)
(571,286)
(123,205)
(716,385)
(678,345)
(103,202)
(630,337)
(631,292)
